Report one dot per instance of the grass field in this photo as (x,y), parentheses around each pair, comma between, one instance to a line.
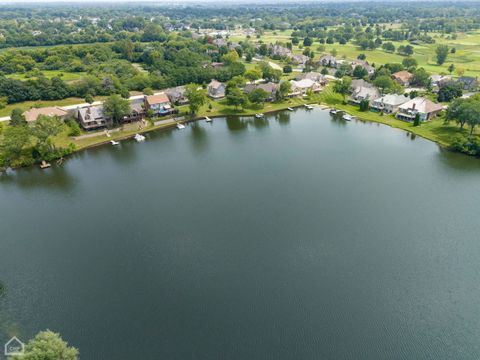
(467,54)
(65,75)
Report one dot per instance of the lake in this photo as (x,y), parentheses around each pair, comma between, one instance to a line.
(296,236)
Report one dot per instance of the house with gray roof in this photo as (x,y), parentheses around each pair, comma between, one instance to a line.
(92,117)
(388,104)
(270,88)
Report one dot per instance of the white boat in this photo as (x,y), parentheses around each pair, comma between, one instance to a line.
(259,116)
(139,138)
(334,111)
(113,142)
(290,109)
(207,119)
(180,126)
(347,117)
(309,107)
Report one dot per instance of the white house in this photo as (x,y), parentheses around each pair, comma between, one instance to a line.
(388,103)
(301,87)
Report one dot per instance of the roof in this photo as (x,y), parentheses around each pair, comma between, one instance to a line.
(358,83)
(303,84)
(215,84)
(91,113)
(157,99)
(176,91)
(315,76)
(34,113)
(392,99)
(137,105)
(403,76)
(366,92)
(269,87)
(422,105)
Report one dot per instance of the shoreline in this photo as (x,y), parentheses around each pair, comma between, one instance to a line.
(315,102)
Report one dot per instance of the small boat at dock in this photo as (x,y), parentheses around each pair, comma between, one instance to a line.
(347,117)
(114,143)
(139,138)
(334,111)
(290,109)
(207,119)
(45,165)
(258,116)
(309,107)
(180,126)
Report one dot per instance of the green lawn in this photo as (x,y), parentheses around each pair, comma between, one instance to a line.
(467,54)
(65,75)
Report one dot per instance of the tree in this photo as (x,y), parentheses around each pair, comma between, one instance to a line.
(364,105)
(307,41)
(236,97)
(47,345)
(148,91)
(196,97)
(361,56)
(342,87)
(116,108)
(389,47)
(359,72)
(17,118)
(441,52)
(230,57)
(465,111)
(258,96)
(284,89)
(44,129)
(449,91)
(253,74)
(287,69)
(416,121)
(89,99)
(421,77)
(451,68)
(386,84)
(3,102)
(460,71)
(409,63)
(12,143)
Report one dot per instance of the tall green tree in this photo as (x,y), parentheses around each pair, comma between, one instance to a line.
(196,97)
(441,53)
(116,108)
(236,97)
(17,118)
(342,87)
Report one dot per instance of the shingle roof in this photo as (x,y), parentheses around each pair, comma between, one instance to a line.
(157,99)
(422,105)
(34,113)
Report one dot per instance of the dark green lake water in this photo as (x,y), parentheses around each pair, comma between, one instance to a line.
(294,237)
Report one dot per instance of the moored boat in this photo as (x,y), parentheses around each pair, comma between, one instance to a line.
(139,138)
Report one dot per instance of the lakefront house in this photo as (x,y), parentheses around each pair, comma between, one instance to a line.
(91,117)
(388,104)
(426,109)
(216,89)
(364,93)
(159,104)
